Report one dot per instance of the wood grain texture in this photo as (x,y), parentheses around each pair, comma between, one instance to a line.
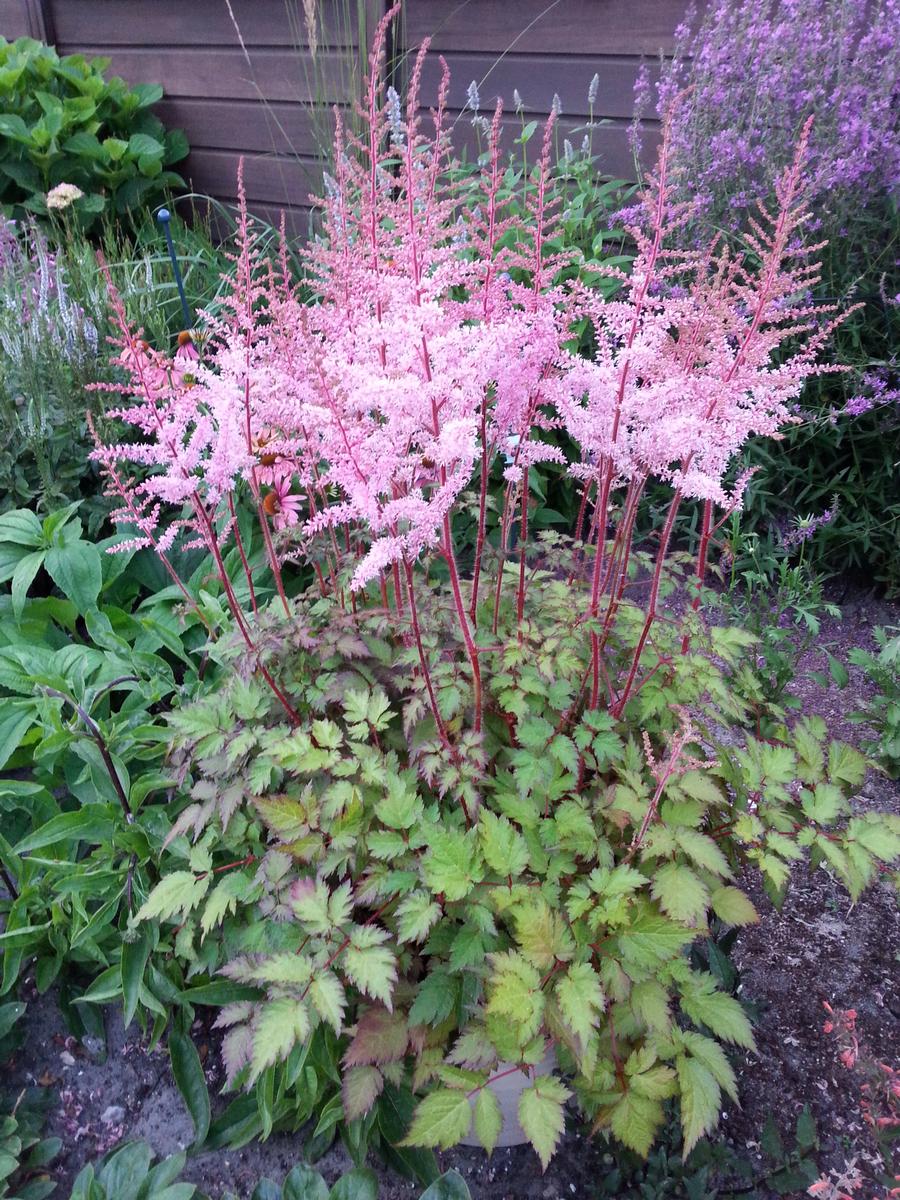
(217,72)
(544,27)
(259,22)
(14,22)
(249,90)
(538,80)
(243,125)
(269,179)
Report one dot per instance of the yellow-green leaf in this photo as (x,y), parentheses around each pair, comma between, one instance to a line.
(541,1115)
(733,907)
(441,1119)
(488,1119)
(634,1120)
(700,1100)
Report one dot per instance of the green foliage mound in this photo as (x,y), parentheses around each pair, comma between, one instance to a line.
(63,122)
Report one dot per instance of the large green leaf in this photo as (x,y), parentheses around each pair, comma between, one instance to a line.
(134,960)
(23,577)
(76,570)
(188,1072)
(22,527)
(93,823)
(450,1186)
(16,719)
(361,1184)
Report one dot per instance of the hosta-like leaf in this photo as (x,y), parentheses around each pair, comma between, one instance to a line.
(541,1115)
(441,1119)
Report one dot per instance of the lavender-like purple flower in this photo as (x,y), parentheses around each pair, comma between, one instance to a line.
(757,69)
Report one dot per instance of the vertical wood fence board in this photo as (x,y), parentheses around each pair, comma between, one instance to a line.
(251,90)
(14,20)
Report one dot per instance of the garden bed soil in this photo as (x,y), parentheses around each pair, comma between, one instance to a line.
(820,948)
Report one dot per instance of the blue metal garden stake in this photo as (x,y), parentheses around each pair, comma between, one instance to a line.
(164,217)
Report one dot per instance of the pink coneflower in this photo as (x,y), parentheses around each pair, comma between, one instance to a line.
(281,504)
(187,351)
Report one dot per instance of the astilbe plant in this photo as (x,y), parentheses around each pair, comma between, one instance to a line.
(496,809)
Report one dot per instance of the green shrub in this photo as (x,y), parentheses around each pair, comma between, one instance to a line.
(448,914)
(63,123)
(882,712)
(129,1173)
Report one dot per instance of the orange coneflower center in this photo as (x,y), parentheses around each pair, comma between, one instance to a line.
(185,338)
(271,504)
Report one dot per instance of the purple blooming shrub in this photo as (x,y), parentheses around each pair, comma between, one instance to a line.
(756,72)
(746,76)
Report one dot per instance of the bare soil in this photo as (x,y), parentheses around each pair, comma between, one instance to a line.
(821,947)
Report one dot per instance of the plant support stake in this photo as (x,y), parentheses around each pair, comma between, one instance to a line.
(165,217)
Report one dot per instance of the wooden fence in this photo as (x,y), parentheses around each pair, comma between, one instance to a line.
(249,77)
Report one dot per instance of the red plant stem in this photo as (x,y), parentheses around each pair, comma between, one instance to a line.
(504,538)
(582,508)
(622,554)
(482,513)
(525,1069)
(664,540)
(616,1057)
(423,661)
(270,549)
(122,491)
(523,534)
(398,591)
(602,508)
(463,616)
(240,862)
(213,543)
(239,542)
(702,555)
(603,500)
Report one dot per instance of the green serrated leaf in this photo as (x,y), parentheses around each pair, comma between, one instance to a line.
(542,1116)
(442,1119)
(488,1119)
(700,1097)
